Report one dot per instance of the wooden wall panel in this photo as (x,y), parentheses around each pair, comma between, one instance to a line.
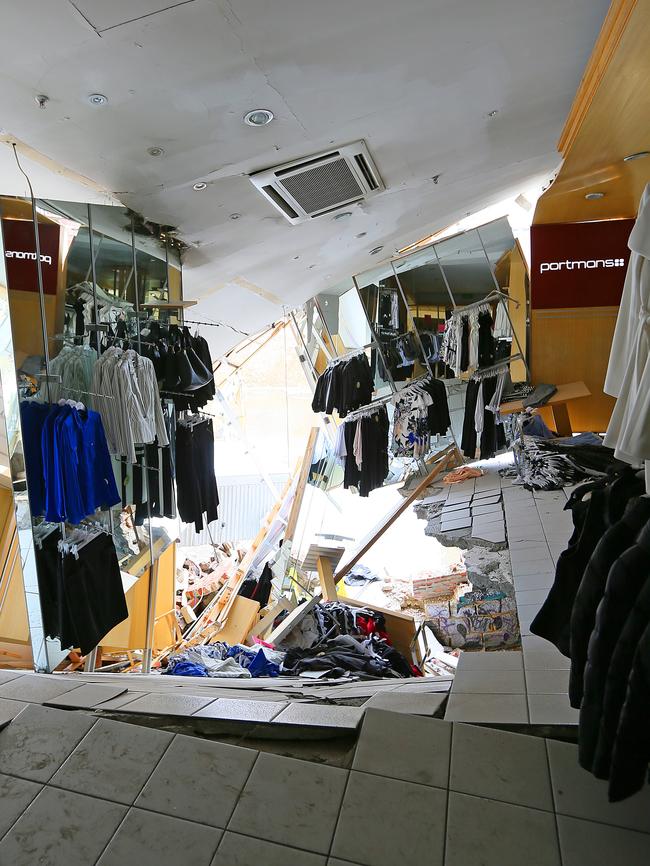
(572,344)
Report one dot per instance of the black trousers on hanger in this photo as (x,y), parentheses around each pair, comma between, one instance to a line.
(195,479)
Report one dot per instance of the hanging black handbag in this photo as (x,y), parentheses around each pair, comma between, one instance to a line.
(203,376)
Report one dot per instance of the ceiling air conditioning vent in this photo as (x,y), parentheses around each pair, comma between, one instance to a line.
(321,184)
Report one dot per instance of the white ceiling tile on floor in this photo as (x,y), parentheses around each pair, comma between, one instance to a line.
(367,833)
(274,805)
(320,715)
(423,704)
(237,850)
(585,842)
(578,794)
(214,772)
(506,709)
(405,747)
(38,740)
(484,831)
(496,660)
(490,682)
(242,710)
(149,839)
(551,710)
(166,704)
(547,682)
(15,796)
(512,768)
(113,761)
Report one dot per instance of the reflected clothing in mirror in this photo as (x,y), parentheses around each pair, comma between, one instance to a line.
(363,446)
(82,597)
(69,471)
(345,385)
(195,478)
(421,411)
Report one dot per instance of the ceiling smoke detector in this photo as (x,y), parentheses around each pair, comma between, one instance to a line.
(320,184)
(258,117)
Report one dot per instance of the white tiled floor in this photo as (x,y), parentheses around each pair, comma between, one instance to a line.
(538,530)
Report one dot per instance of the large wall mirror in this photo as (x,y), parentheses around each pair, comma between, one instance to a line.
(106,282)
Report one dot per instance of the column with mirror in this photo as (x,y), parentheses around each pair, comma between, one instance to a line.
(102,282)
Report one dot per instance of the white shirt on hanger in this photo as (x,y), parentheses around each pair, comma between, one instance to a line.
(628,373)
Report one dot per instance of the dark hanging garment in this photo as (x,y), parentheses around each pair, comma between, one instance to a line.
(613,544)
(468,439)
(624,582)
(618,675)
(591,520)
(464,344)
(629,770)
(195,476)
(485,340)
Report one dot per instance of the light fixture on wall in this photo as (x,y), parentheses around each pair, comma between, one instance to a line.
(258,117)
(594,196)
(200,186)
(640,154)
(98,99)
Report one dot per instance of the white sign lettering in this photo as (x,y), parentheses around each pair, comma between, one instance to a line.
(22,254)
(586,264)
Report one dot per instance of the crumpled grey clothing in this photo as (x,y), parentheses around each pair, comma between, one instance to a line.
(216,667)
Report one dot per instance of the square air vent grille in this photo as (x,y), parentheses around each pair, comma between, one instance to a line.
(307,188)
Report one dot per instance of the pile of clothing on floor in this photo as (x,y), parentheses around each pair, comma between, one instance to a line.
(546,462)
(220,660)
(333,638)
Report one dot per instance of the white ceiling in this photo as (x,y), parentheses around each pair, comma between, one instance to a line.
(415,79)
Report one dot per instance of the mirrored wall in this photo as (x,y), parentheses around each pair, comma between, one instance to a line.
(95,280)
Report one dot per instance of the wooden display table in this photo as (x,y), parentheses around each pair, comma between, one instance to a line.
(558,405)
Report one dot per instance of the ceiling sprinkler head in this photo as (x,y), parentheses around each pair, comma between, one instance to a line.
(41,100)
(200,186)
(97,99)
(155,151)
(375,250)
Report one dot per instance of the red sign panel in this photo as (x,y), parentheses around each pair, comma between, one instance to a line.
(579,264)
(20,255)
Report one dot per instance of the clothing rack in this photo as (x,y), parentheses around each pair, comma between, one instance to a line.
(494,295)
(369,408)
(334,361)
(216,325)
(494,369)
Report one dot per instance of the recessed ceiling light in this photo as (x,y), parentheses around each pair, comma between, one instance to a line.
(97,99)
(592,196)
(235,216)
(641,154)
(375,250)
(155,151)
(342,216)
(201,185)
(258,117)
